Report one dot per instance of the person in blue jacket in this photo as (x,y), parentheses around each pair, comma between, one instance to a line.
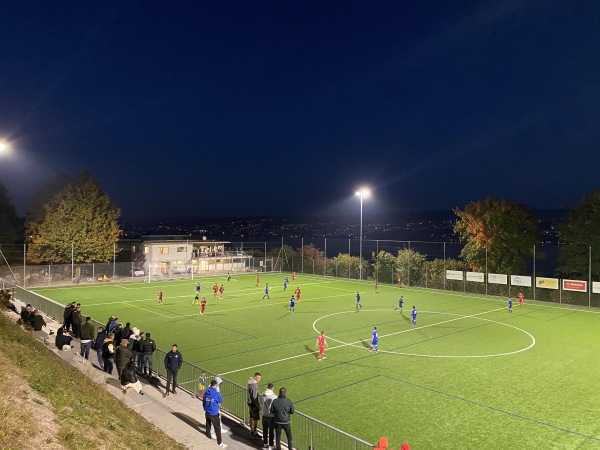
(211,402)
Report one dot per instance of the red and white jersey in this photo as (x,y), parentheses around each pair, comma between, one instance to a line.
(321,340)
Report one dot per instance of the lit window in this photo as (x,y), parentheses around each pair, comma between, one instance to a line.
(163,250)
(180,249)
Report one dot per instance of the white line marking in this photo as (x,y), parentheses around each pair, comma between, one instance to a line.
(460,317)
(352,343)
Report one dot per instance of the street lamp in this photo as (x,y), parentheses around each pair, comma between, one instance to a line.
(362,193)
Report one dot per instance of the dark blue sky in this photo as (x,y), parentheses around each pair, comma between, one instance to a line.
(228,108)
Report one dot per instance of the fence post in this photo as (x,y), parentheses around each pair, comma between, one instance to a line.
(325,259)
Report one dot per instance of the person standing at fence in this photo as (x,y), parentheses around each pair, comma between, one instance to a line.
(254,404)
(77,321)
(268,422)
(321,343)
(148,349)
(211,403)
(87,338)
(132,346)
(139,348)
(122,356)
(108,351)
(68,316)
(282,408)
(173,362)
(100,337)
(374,340)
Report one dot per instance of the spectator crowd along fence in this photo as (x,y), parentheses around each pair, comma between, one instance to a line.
(308,431)
(434,265)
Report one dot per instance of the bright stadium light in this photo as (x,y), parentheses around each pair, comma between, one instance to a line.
(362,193)
(3,147)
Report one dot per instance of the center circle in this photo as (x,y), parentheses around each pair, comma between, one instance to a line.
(423,355)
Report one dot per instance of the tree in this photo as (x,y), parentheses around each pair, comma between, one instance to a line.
(434,271)
(9,221)
(579,232)
(80,217)
(43,192)
(383,266)
(507,230)
(409,267)
(345,266)
(314,259)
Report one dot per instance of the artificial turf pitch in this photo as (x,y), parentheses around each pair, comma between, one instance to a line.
(469,375)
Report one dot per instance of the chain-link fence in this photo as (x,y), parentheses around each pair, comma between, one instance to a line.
(408,263)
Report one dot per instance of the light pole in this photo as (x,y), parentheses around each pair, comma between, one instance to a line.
(362,193)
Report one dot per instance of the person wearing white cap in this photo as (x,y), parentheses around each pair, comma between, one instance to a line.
(224,429)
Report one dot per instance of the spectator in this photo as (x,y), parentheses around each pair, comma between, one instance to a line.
(122,356)
(254,404)
(38,321)
(129,380)
(110,319)
(282,407)
(87,334)
(77,321)
(173,361)
(268,424)
(127,331)
(62,340)
(112,324)
(211,403)
(108,351)
(118,332)
(148,349)
(5,299)
(102,335)
(27,315)
(132,346)
(67,316)
(140,350)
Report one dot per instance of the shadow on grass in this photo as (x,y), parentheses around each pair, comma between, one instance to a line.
(310,350)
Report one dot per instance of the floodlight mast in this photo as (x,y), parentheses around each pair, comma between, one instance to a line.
(362,193)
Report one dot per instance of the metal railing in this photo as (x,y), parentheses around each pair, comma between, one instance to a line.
(308,432)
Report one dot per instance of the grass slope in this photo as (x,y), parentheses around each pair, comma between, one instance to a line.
(85,417)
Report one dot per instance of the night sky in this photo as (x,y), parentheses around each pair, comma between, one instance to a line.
(231,108)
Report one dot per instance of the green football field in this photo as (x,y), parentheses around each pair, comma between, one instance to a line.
(469,375)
